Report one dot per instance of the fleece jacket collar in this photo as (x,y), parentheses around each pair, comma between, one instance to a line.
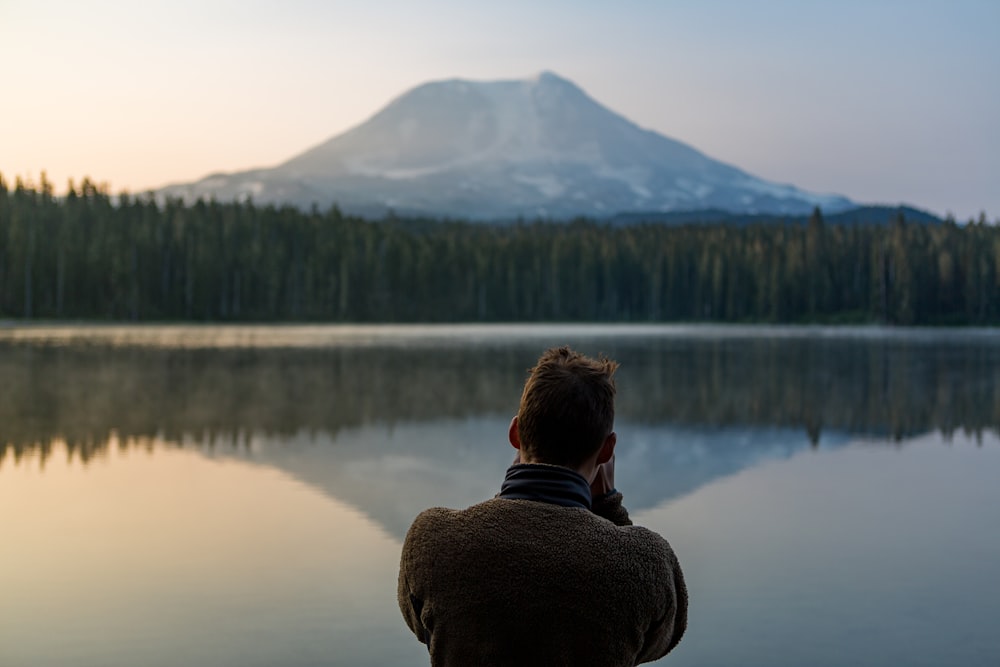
(547,484)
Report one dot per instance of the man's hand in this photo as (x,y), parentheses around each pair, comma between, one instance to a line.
(604,480)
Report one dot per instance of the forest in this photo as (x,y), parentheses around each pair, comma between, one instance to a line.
(89,255)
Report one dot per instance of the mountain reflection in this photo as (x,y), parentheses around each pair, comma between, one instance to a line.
(391,473)
(85,394)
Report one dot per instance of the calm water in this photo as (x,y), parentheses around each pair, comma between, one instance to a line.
(238,496)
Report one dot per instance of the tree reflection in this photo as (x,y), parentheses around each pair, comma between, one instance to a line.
(90,395)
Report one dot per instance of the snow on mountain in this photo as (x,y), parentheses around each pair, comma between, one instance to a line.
(503,149)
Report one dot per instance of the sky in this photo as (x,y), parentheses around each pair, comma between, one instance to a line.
(884,101)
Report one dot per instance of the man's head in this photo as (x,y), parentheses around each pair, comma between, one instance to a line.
(567,410)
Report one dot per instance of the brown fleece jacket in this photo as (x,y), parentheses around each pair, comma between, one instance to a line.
(524,582)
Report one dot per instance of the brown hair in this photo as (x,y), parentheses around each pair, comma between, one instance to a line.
(567,407)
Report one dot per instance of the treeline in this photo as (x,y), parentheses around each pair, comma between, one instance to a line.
(90,256)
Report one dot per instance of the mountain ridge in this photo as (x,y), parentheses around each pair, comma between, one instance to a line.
(537,147)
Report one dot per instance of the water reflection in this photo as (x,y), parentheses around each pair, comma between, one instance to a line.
(861,555)
(211,504)
(891,385)
(389,473)
(852,553)
(179,559)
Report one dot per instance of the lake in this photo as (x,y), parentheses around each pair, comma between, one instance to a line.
(215,496)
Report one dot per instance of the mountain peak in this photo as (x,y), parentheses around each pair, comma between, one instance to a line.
(550,77)
(502,149)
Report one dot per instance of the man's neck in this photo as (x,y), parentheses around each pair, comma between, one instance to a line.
(587,469)
(541,482)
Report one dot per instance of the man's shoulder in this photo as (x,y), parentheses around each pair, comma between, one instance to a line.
(431,517)
(434,514)
(543,512)
(437,518)
(450,513)
(649,540)
(542,515)
(494,511)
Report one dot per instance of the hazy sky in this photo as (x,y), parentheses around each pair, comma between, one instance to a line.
(884,101)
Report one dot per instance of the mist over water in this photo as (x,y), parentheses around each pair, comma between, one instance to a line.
(246,488)
(221,384)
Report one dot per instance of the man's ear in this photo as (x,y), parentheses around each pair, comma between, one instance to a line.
(607,449)
(515,439)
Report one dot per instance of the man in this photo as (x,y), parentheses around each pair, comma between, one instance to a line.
(551,571)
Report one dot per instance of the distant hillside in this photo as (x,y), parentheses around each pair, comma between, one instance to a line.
(862,215)
(538,147)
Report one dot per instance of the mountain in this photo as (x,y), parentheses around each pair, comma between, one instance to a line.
(539,147)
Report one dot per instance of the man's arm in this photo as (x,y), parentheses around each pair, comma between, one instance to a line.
(611,508)
(409,604)
(606,500)
(666,632)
